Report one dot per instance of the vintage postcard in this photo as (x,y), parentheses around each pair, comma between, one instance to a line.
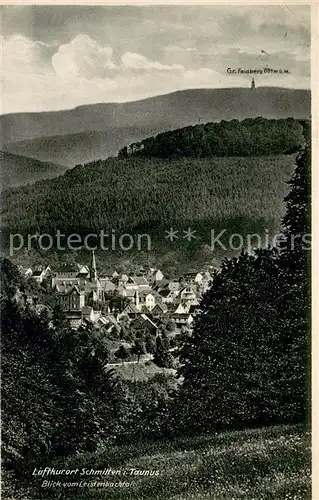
(156,175)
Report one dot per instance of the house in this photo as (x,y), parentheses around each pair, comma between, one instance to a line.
(107,285)
(25,272)
(72,299)
(158,275)
(160,285)
(89,314)
(40,274)
(207,276)
(83,269)
(75,318)
(110,319)
(173,286)
(83,272)
(203,286)
(121,280)
(67,271)
(170,291)
(132,296)
(62,285)
(131,310)
(83,275)
(146,299)
(154,275)
(194,277)
(144,310)
(182,308)
(158,298)
(187,294)
(167,296)
(149,272)
(137,283)
(182,319)
(102,322)
(159,309)
(143,322)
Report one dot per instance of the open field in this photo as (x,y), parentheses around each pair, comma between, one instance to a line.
(140,371)
(258,464)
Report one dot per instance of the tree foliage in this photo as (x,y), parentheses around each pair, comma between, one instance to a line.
(247,361)
(162,356)
(250,137)
(122,352)
(138,348)
(57,397)
(141,195)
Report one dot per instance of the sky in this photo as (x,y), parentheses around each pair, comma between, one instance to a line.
(60,57)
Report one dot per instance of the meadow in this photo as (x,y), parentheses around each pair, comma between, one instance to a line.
(256,464)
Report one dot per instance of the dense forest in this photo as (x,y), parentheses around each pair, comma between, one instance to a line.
(250,137)
(143,195)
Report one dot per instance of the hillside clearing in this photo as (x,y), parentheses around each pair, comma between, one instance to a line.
(140,371)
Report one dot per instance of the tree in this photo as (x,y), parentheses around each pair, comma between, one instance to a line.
(171,326)
(58,397)
(227,361)
(162,356)
(138,348)
(296,222)
(247,359)
(165,339)
(150,345)
(295,262)
(122,353)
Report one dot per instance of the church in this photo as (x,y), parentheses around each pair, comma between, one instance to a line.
(77,288)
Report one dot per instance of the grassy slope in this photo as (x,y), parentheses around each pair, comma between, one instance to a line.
(261,464)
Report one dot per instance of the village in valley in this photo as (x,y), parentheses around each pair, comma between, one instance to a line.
(121,306)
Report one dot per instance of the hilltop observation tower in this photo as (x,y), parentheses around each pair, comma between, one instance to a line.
(252,85)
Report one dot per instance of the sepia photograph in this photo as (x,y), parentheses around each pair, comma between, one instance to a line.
(156,178)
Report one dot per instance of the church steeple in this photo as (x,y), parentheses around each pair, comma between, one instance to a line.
(93,271)
(253,85)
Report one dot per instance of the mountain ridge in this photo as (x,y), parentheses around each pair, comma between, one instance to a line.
(148,99)
(103,129)
(129,113)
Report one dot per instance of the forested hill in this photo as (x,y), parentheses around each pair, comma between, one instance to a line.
(19,170)
(139,195)
(250,137)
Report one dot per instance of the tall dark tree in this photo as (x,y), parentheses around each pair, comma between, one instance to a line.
(162,356)
(247,360)
(296,222)
(295,262)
